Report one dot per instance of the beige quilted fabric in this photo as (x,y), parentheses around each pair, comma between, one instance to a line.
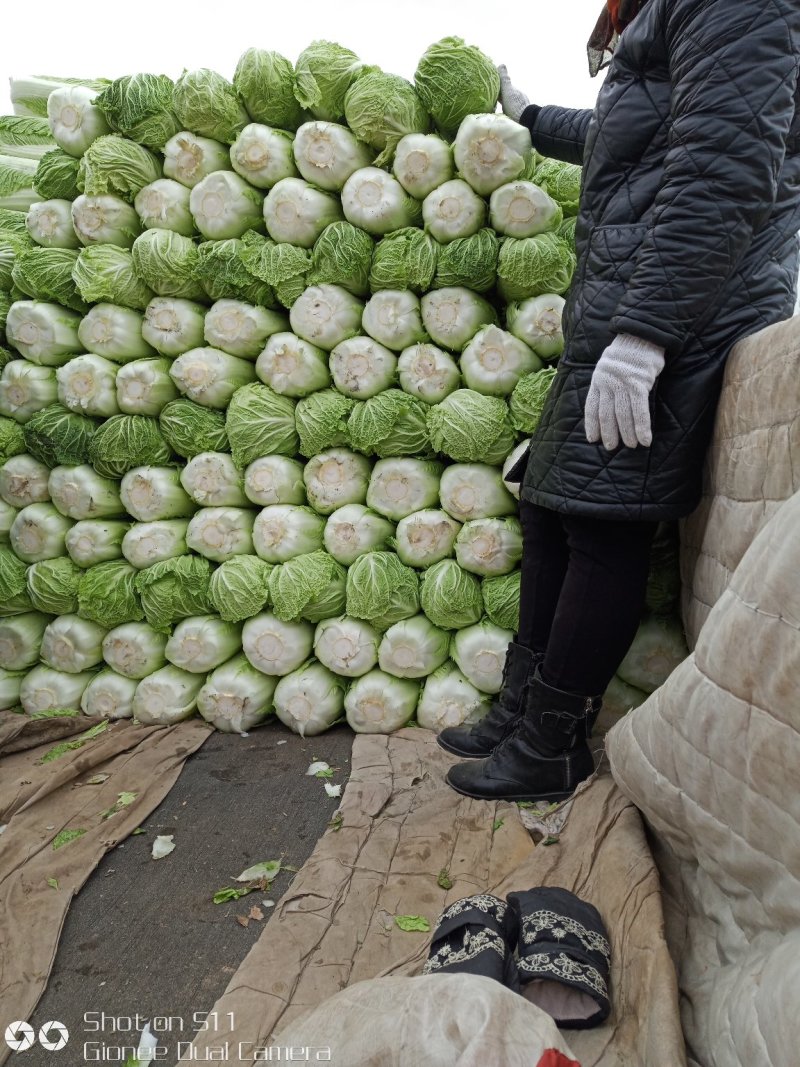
(752,467)
(712,760)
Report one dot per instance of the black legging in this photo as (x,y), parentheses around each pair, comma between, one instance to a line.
(582,593)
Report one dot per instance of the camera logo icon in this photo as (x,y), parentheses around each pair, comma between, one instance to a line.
(53,1036)
(20,1036)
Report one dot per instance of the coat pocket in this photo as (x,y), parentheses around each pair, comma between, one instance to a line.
(612,252)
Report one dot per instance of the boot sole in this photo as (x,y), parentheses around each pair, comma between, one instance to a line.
(551,798)
(464,755)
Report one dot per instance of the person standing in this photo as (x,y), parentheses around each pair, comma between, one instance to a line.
(686,242)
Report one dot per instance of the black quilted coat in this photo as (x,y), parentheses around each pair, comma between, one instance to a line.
(686,237)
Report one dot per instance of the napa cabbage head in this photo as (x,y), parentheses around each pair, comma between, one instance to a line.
(46,274)
(117,166)
(190,428)
(528,399)
(107,274)
(453,316)
(107,594)
(327,153)
(265,83)
(389,424)
(323,73)
(239,587)
(453,80)
(348,647)
(164,205)
(353,530)
(561,181)
(127,441)
(335,478)
(537,322)
(309,586)
(378,703)
(491,150)
(377,202)
(236,697)
(501,600)
(404,259)
(450,596)
(263,156)
(470,427)
(342,255)
(207,104)
(422,162)
(533,266)
(167,262)
(24,480)
(321,421)
(381,590)
(469,261)
(174,589)
(398,487)
(170,325)
(139,106)
(381,108)
(260,422)
(49,223)
(223,274)
(56,176)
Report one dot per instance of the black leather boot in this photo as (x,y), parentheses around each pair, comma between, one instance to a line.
(545,758)
(481,739)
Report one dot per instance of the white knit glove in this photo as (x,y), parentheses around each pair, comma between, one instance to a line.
(512,100)
(618,402)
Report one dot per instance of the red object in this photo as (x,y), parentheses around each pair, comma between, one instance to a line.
(553,1058)
(613,10)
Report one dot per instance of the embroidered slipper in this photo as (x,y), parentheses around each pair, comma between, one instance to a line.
(476,935)
(564,956)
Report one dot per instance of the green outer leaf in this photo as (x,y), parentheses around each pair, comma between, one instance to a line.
(268,869)
(70,746)
(65,837)
(469,262)
(55,713)
(411,923)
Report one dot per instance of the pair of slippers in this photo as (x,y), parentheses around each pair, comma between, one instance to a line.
(546,944)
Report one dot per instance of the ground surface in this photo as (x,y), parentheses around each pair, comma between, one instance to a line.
(145,937)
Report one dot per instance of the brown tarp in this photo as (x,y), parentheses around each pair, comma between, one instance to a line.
(398,828)
(39,800)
